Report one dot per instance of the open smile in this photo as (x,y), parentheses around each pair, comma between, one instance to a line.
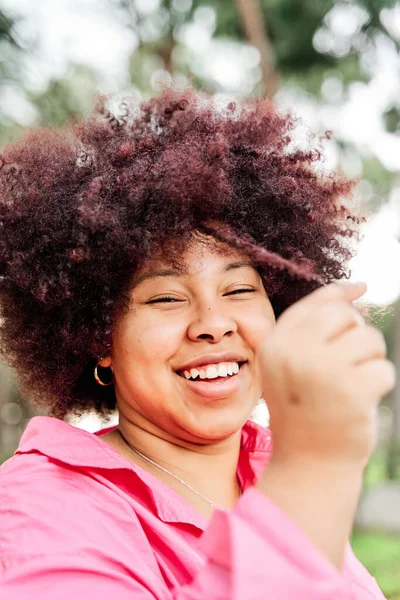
(211,385)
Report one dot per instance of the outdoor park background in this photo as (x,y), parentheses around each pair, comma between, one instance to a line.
(336,64)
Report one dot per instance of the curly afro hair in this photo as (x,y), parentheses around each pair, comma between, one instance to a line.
(83,207)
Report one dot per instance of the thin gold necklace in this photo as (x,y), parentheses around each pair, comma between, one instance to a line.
(152,462)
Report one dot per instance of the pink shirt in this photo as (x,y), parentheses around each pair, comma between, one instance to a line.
(78,521)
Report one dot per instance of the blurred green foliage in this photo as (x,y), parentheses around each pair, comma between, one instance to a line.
(376,470)
(10,50)
(380,554)
(4,457)
(6,30)
(290,25)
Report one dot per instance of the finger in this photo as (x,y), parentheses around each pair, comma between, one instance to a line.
(378,376)
(326,323)
(348,292)
(360,344)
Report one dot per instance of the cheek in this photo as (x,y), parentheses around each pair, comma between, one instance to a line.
(142,340)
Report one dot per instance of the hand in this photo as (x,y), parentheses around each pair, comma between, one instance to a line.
(324,373)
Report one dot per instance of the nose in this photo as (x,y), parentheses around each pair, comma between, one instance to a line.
(212,325)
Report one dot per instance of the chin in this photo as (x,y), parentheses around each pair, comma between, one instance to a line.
(218,424)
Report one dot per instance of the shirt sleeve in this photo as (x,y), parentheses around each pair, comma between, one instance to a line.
(75,575)
(60,539)
(256,551)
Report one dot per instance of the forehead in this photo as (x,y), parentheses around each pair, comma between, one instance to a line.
(202,253)
(198,258)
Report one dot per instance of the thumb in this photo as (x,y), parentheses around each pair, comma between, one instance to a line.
(352,291)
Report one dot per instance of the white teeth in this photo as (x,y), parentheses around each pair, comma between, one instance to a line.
(222,370)
(213,371)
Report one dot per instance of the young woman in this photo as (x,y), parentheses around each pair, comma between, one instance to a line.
(178,264)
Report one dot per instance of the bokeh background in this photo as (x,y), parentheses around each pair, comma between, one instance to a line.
(336,64)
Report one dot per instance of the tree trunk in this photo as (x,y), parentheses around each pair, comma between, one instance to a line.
(166,54)
(255,29)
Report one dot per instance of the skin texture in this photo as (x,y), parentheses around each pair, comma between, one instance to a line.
(159,412)
(331,390)
(324,373)
(201,317)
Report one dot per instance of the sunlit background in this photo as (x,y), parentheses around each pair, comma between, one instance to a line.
(336,64)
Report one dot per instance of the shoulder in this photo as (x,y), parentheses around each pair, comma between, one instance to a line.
(48,506)
(62,528)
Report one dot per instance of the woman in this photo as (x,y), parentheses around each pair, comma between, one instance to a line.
(176,263)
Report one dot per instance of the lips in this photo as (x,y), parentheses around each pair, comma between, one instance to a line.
(212,359)
(220,388)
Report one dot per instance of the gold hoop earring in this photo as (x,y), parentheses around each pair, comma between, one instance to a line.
(97,378)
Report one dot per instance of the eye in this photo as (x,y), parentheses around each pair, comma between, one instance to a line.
(163,299)
(240,291)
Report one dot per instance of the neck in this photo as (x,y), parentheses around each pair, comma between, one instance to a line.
(209,468)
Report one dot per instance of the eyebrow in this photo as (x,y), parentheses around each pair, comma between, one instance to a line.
(239,264)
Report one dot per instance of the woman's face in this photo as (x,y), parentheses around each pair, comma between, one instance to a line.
(211,318)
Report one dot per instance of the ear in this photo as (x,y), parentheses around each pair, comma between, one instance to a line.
(105,362)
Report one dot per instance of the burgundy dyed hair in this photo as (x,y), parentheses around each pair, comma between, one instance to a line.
(83,207)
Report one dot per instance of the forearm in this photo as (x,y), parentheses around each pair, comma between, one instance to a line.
(321,499)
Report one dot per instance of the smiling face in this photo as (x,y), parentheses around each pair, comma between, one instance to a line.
(211,317)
